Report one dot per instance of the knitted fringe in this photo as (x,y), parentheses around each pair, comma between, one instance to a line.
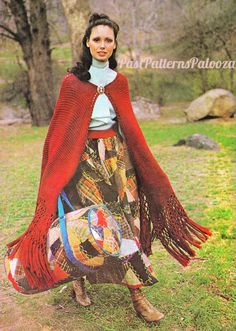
(172,226)
(175,230)
(145,224)
(31,249)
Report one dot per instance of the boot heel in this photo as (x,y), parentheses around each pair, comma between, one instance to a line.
(144,309)
(80,294)
(150,323)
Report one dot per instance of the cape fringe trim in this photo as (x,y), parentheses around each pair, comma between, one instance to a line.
(172,226)
(145,223)
(175,230)
(31,249)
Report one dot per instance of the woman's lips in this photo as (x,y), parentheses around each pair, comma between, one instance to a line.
(101,53)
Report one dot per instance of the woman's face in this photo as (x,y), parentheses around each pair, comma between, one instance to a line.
(101,42)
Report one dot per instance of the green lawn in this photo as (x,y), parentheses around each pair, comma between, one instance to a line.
(199,297)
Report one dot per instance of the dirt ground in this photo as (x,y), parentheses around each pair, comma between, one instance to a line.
(13,317)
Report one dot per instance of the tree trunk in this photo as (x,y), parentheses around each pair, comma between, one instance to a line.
(33,36)
(77,13)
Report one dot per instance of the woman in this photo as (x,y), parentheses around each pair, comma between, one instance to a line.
(95,151)
(107,164)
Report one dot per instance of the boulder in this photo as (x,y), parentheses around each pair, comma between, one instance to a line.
(11,121)
(199,141)
(145,109)
(214,103)
(11,116)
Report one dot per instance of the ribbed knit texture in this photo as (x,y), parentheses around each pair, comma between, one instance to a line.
(161,214)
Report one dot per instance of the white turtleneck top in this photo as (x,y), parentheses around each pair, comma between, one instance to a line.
(103,115)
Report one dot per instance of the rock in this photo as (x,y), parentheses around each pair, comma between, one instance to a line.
(201,141)
(180,142)
(10,116)
(145,109)
(11,121)
(213,103)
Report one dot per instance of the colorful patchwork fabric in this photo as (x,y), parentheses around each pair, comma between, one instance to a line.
(105,175)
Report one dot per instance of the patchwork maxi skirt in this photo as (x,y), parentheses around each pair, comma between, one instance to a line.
(105,175)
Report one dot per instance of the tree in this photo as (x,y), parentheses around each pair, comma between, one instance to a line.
(77,13)
(202,29)
(32,33)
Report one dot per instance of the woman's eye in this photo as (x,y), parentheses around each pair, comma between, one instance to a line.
(98,39)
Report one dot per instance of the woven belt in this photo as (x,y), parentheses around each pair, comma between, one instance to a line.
(93,134)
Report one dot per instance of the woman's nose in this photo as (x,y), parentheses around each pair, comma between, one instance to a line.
(102,45)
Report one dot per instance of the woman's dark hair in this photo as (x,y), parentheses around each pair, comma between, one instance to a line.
(82,67)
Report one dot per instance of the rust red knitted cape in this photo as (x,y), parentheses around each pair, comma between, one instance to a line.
(162,215)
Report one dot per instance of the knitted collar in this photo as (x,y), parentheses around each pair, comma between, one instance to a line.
(112,85)
(99,64)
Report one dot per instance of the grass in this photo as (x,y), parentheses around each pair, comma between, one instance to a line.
(199,297)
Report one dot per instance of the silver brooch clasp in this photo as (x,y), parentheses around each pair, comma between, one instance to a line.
(100,89)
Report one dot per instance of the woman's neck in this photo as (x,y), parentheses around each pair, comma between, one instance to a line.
(99,64)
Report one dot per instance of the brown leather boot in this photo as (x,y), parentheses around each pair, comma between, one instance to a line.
(80,293)
(144,308)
